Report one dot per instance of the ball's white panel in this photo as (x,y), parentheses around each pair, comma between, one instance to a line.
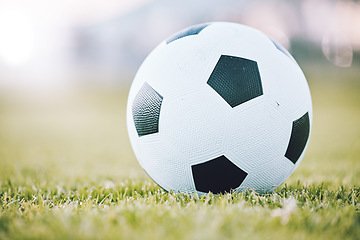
(258,135)
(195,125)
(164,164)
(268,177)
(181,66)
(284,83)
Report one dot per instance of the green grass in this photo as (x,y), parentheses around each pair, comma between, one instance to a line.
(67,171)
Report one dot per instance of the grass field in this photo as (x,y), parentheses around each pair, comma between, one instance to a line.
(67,171)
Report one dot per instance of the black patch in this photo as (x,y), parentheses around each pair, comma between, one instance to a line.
(217,176)
(299,137)
(236,80)
(194,30)
(146,110)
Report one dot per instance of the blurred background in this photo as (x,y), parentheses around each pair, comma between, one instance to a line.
(66,68)
(52,44)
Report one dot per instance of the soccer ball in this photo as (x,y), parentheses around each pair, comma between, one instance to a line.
(219,107)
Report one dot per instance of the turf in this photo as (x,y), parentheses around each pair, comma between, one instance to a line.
(67,172)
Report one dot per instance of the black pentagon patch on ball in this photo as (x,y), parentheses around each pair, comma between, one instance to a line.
(219,175)
(236,80)
(194,30)
(146,110)
(299,137)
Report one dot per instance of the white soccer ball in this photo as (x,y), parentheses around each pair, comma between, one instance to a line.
(219,107)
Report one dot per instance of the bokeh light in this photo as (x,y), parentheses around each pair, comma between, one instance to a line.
(337,49)
(17,35)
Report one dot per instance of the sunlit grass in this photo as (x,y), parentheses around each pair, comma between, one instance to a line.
(67,171)
(140,210)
